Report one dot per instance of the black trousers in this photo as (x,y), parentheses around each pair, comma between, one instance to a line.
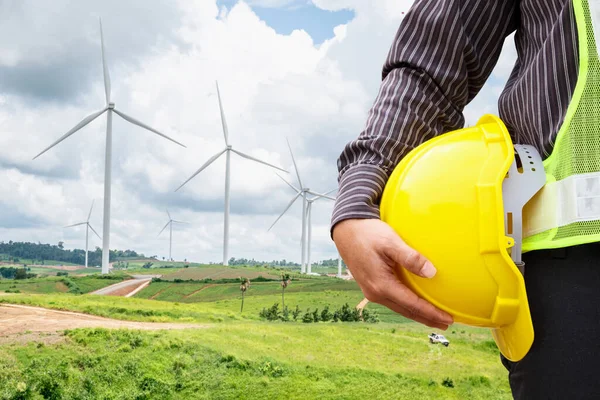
(563,288)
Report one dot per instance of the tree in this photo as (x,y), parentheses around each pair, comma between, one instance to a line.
(21,273)
(285,281)
(61,245)
(244,285)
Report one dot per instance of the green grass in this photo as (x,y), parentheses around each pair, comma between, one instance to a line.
(257,360)
(237,355)
(222,273)
(41,271)
(212,292)
(30,261)
(58,284)
(129,309)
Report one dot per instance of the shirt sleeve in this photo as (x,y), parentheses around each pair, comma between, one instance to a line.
(441,56)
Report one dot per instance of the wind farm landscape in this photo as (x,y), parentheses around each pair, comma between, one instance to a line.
(186,253)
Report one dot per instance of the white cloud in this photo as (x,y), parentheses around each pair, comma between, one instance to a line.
(273,86)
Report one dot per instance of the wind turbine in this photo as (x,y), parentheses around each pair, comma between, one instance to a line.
(300,192)
(170,224)
(109,108)
(309,223)
(227,150)
(87,232)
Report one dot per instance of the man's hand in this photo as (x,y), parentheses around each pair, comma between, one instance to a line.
(372,250)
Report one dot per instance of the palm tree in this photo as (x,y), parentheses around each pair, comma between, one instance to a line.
(244,285)
(285,281)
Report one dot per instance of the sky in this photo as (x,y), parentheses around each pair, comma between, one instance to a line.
(306,71)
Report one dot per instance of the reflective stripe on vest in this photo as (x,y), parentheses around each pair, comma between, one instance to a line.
(566,211)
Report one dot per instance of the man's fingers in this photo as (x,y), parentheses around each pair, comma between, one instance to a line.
(407,257)
(405,298)
(415,317)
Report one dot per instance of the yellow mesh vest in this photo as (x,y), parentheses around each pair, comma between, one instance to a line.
(577,148)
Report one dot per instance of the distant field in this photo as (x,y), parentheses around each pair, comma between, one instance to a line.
(129,309)
(47,285)
(37,262)
(51,271)
(196,292)
(220,273)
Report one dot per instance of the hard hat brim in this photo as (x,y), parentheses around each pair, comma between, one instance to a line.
(515,340)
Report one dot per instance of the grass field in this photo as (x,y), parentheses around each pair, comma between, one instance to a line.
(61,284)
(29,261)
(236,357)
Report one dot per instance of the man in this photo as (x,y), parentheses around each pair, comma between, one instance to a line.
(442,55)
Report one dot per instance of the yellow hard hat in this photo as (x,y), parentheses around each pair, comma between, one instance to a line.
(458,199)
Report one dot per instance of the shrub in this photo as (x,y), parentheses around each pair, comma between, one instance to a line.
(307,317)
(285,315)
(62,273)
(272,313)
(316,316)
(447,382)
(326,315)
(370,316)
(296,313)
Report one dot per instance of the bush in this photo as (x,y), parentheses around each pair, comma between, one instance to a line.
(326,315)
(272,313)
(343,314)
(62,273)
(447,382)
(307,317)
(296,313)
(370,316)
(285,315)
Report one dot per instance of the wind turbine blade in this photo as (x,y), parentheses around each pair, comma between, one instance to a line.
(169,214)
(77,127)
(284,211)
(223,121)
(294,161)
(71,226)
(141,124)
(206,164)
(289,184)
(239,153)
(90,214)
(179,222)
(104,66)
(93,230)
(320,195)
(161,231)
(331,191)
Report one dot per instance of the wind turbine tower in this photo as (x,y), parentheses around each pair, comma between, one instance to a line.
(227,150)
(109,109)
(302,191)
(170,225)
(87,232)
(309,203)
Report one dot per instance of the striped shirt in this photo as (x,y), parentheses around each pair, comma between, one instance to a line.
(442,55)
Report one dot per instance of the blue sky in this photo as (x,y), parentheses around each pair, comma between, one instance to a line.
(298,14)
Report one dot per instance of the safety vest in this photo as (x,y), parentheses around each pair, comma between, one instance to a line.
(566,212)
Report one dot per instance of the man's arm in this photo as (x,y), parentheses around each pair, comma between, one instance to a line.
(442,55)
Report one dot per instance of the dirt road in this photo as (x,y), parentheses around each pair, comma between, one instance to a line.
(126,288)
(16,320)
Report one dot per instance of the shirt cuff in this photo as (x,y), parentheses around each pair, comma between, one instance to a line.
(359,193)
